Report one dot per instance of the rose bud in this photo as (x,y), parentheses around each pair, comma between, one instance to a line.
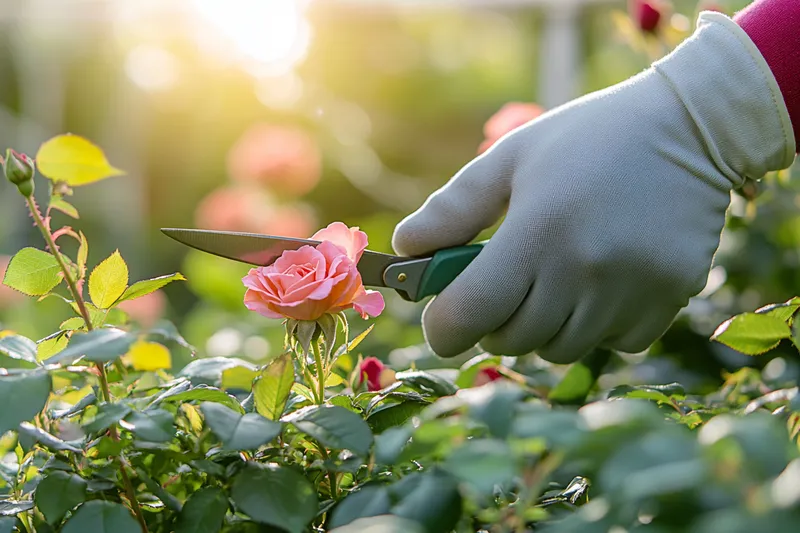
(19,169)
(487,375)
(646,14)
(378,376)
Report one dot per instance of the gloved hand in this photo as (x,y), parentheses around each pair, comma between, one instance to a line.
(615,205)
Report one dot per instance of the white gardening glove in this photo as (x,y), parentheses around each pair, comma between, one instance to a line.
(615,201)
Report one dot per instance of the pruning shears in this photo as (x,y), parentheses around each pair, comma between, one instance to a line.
(414,278)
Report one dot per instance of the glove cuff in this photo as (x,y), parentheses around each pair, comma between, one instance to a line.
(733,97)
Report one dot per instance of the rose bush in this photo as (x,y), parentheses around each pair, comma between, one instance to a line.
(103,428)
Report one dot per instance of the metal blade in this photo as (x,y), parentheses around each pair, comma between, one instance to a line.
(263,250)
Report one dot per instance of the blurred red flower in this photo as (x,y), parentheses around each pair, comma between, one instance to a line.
(646,14)
(378,376)
(251,210)
(8,296)
(146,310)
(508,118)
(284,159)
(487,375)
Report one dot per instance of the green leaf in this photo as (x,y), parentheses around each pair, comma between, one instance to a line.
(99,345)
(275,495)
(752,333)
(389,444)
(58,493)
(145,287)
(108,281)
(171,502)
(427,382)
(394,415)
(47,440)
(204,393)
(380,524)
(22,396)
(562,428)
(167,330)
(107,415)
(58,203)
(335,427)
(204,512)
(155,425)
(272,388)
(100,516)
(33,272)
(71,324)
(238,378)
(434,502)
(482,464)
(369,501)
(355,342)
(18,347)
(49,346)
(13,507)
(208,370)
(581,377)
(7,524)
(73,160)
(83,252)
(783,311)
(239,432)
(86,401)
(493,404)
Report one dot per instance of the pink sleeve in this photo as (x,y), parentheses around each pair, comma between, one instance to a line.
(774,26)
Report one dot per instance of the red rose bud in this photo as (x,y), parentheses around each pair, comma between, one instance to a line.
(487,375)
(647,15)
(378,376)
(18,169)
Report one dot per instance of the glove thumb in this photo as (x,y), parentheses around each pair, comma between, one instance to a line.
(473,200)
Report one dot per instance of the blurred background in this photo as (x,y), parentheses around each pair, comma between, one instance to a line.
(281,116)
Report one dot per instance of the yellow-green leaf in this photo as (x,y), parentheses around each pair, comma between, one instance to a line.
(272,388)
(145,287)
(58,203)
(33,272)
(73,160)
(83,254)
(50,346)
(149,356)
(238,377)
(72,324)
(108,281)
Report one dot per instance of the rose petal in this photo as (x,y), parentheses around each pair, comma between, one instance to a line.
(351,240)
(370,303)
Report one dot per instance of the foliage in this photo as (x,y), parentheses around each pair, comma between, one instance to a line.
(98,435)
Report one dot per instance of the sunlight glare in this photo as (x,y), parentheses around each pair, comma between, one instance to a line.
(270,33)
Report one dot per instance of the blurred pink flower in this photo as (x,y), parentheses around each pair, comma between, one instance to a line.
(508,118)
(8,296)
(146,310)
(646,14)
(284,159)
(377,375)
(242,208)
(306,283)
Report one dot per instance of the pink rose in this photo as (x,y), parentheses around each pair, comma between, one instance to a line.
(510,117)
(377,375)
(251,210)
(147,309)
(306,283)
(282,158)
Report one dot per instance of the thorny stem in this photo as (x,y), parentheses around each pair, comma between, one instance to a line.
(101,371)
